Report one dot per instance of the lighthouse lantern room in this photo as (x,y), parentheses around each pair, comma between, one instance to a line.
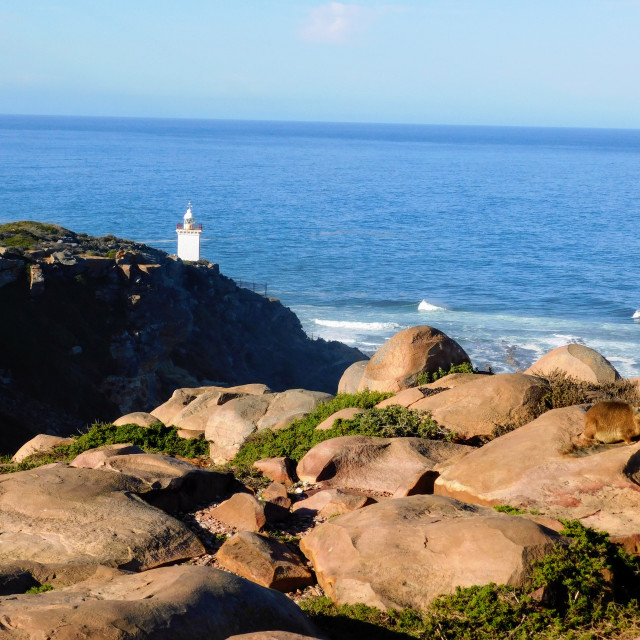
(189,237)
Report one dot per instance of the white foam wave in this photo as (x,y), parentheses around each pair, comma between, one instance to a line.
(363,326)
(636,315)
(427,306)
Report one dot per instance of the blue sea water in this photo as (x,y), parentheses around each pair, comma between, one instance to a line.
(518,240)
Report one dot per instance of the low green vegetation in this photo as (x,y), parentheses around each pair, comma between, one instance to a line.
(153,439)
(426,377)
(40,589)
(301,435)
(28,235)
(590,591)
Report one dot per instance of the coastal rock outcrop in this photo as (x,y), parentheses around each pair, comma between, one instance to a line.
(42,443)
(398,362)
(405,552)
(199,603)
(350,380)
(489,403)
(535,467)
(399,466)
(576,361)
(117,326)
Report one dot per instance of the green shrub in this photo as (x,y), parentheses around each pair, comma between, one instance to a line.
(301,435)
(40,589)
(425,377)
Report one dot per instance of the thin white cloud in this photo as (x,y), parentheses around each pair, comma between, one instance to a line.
(337,22)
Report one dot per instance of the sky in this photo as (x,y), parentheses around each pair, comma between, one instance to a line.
(569,63)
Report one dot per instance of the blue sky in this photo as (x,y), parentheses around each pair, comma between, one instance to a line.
(497,62)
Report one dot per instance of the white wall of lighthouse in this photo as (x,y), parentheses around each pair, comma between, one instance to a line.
(189,237)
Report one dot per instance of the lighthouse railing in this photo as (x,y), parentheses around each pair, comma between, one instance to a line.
(194,227)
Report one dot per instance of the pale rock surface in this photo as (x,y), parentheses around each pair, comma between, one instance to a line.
(400,466)
(169,603)
(229,426)
(266,561)
(277,502)
(406,552)
(241,511)
(350,381)
(40,444)
(476,408)
(191,408)
(277,469)
(398,362)
(139,418)
(59,514)
(528,468)
(332,502)
(576,361)
(96,458)
(342,414)
(273,635)
(408,397)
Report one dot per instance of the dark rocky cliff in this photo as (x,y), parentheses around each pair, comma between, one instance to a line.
(93,328)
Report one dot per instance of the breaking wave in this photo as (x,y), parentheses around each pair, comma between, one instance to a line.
(427,306)
(364,326)
(636,315)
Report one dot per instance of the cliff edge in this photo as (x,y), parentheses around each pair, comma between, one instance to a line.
(93,328)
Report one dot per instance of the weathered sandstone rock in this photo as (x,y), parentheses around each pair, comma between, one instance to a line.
(405,552)
(241,511)
(168,603)
(476,408)
(397,363)
(277,502)
(273,635)
(528,468)
(332,502)
(58,514)
(40,444)
(139,418)
(233,422)
(277,469)
(343,414)
(96,458)
(350,381)
(268,562)
(576,361)
(190,409)
(400,466)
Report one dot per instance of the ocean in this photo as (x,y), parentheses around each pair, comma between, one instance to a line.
(513,241)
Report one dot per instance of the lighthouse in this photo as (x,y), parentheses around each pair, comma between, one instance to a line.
(189,237)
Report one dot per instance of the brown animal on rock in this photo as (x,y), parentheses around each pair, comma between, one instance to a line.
(611,421)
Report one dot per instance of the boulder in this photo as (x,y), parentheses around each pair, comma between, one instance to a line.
(535,467)
(342,414)
(331,502)
(477,408)
(400,466)
(277,502)
(42,443)
(350,381)
(277,469)
(96,458)
(576,361)
(59,514)
(170,484)
(139,418)
(398,362)
(241,511)
(230,426)
(165,604)
(406,552)
(273,635)
(404,398)
(265,561)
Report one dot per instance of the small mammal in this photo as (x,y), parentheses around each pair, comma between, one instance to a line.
(611,421)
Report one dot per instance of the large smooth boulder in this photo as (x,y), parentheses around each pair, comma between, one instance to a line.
(170,484)
(397,364)
(169,603)
(58,514)
(42,443)
(536,467)
(265,561)
(576,361)
(400,466)
(139,418)
(241,511)
(190,408)
(332,502)
(232,423)
(280,469)
(343,414)
(406,552)
(350,381)
(488,403)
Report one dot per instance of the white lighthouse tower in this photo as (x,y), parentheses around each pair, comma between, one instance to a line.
(189,237)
